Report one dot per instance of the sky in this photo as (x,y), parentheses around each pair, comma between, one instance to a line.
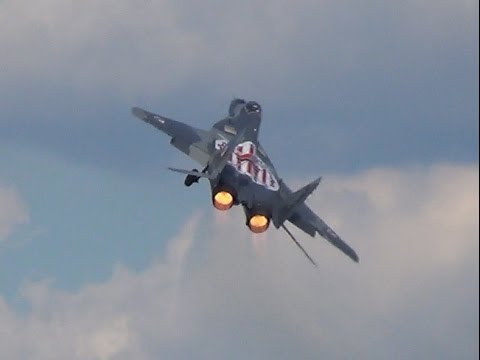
(106,255)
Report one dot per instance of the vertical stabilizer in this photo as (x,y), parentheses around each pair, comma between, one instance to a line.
(291,201)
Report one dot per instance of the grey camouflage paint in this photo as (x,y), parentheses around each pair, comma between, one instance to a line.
(280,205)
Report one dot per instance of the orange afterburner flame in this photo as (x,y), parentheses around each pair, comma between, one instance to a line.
(223,200)
(258,223)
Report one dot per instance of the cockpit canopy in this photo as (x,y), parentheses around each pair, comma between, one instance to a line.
(253,107)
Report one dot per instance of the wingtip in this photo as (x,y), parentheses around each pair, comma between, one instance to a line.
(138,112)
(315,183)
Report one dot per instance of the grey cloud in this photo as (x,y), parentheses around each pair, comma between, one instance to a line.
(355,77)
(161,46)
(223,293)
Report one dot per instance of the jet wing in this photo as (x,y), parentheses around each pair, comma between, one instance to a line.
(191,141)
(305,219)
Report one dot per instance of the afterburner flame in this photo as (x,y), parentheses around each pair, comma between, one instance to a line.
(258,223)
(223,200)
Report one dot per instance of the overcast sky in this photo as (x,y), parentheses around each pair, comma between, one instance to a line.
(105,255)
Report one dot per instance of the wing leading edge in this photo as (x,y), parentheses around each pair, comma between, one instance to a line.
(305,219)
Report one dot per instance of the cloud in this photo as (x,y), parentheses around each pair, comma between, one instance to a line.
(374,69)
(221,292)
(160,46)
(13,211)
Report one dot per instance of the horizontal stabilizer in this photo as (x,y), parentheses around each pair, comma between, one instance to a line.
(217,161)
(292,201)
(191,172)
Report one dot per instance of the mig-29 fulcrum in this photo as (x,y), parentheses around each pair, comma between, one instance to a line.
(241,173)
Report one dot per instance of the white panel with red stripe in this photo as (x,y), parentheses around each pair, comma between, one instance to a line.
(245,160)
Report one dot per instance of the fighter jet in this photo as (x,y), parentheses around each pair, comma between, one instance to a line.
(240,172)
